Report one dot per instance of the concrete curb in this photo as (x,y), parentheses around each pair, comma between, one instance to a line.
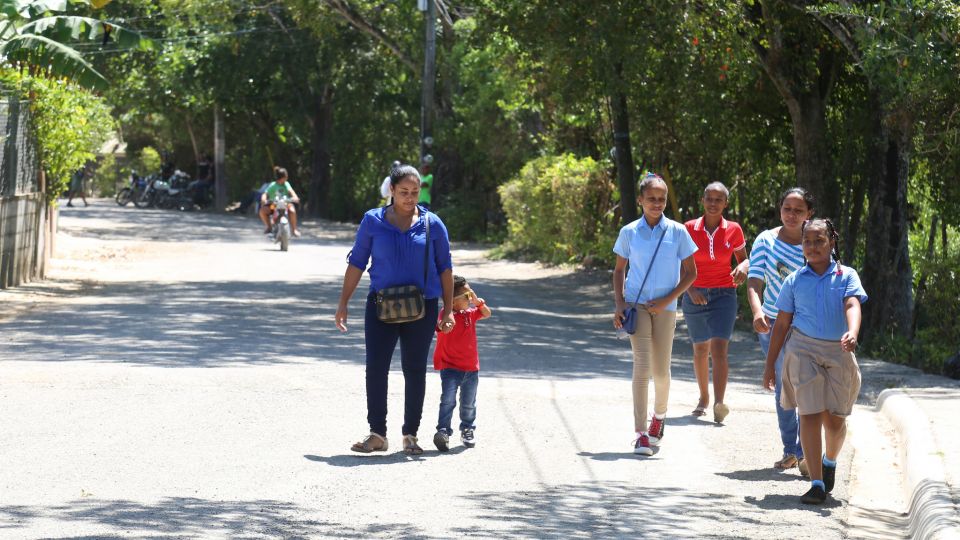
(932,513)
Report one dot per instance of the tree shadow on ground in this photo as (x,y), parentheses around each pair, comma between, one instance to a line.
(624,509)
(199,518)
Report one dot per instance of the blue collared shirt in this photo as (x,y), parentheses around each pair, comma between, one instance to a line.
(397,257)
(817,301)
(637,242)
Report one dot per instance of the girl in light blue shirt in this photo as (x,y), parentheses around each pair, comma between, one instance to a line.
(662,248)
(819,305)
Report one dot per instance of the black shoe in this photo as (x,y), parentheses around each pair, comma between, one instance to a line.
(468,438)
(829,477)
(816,495)
(442,441)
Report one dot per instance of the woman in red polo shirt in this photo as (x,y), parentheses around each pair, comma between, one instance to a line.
(710,304)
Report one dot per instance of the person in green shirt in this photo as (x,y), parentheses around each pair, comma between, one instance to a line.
(279,188)
(426,182)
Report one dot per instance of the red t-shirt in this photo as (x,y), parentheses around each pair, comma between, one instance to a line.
(458,349)
(714,252)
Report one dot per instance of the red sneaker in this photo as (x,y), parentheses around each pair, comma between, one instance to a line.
(656,430)
(641,446)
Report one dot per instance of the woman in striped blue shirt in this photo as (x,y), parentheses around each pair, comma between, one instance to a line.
(775,255)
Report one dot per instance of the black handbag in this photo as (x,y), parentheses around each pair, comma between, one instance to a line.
(405,303)
(629,322)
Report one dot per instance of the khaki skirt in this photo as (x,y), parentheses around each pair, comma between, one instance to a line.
(818,376)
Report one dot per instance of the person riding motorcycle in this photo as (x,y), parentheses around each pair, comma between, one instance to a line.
(279,188)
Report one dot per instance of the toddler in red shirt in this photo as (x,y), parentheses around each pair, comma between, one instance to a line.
(459,364)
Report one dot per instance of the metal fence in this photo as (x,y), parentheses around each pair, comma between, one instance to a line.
(18,161)
(22,205)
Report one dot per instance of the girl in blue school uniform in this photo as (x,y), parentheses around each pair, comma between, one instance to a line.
(817,327)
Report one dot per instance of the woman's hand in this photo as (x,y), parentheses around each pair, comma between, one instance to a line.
(761,323)
(341,318)
(618,315)
(740,272)
(848,342)
(697,297)
(447,323)
(658,305)
(769,378)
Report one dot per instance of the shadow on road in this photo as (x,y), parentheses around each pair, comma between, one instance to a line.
(625,510)
(196,518)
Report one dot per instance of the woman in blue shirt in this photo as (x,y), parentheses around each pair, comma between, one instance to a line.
(671,271)
(394,238)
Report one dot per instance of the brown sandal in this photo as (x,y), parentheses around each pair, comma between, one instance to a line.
(788,461)
(410,446)
(373,442)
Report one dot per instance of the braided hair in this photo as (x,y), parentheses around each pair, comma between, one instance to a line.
(831,234)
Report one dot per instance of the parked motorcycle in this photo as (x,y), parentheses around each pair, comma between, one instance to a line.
(280,230)
(133,191)
(148,197)
(168,193)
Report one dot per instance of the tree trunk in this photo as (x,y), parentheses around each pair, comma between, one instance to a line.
(623,151)
(193,141)
(318,204)
(887,273)
(813,162)
(852,237)
(219,152)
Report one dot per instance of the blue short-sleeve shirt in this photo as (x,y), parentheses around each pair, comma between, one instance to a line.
(396,257)
(817,301)
(637,242)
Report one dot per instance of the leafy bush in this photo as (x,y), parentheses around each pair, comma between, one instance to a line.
(559,210)
(466,215)
(70,125)
(938,315)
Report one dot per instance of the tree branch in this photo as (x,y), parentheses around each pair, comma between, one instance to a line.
(347,10)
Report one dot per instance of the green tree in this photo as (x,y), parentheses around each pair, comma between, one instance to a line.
(39,34)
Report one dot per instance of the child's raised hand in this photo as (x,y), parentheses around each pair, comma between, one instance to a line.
(848,342)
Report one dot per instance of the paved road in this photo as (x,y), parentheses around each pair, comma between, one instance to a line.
(178,377)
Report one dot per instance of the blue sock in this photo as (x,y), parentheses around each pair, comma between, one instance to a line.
(820,483)
(829,462)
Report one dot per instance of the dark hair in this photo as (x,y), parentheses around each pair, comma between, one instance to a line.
(831,234)
(459,282)
(649,180)
(395,164)
(807,197)
(279,172)
(399,172)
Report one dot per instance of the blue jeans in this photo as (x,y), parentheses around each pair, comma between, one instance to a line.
(381,340)
(786,418)
(467,381)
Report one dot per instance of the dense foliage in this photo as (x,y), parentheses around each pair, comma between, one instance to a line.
(855,100)
(70,125)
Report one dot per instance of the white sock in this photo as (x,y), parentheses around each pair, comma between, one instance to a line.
(659,416)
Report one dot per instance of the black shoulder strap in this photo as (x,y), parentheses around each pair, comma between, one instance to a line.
(645,276)
(426,251)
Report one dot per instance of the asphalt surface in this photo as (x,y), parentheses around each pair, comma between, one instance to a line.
(177,376)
